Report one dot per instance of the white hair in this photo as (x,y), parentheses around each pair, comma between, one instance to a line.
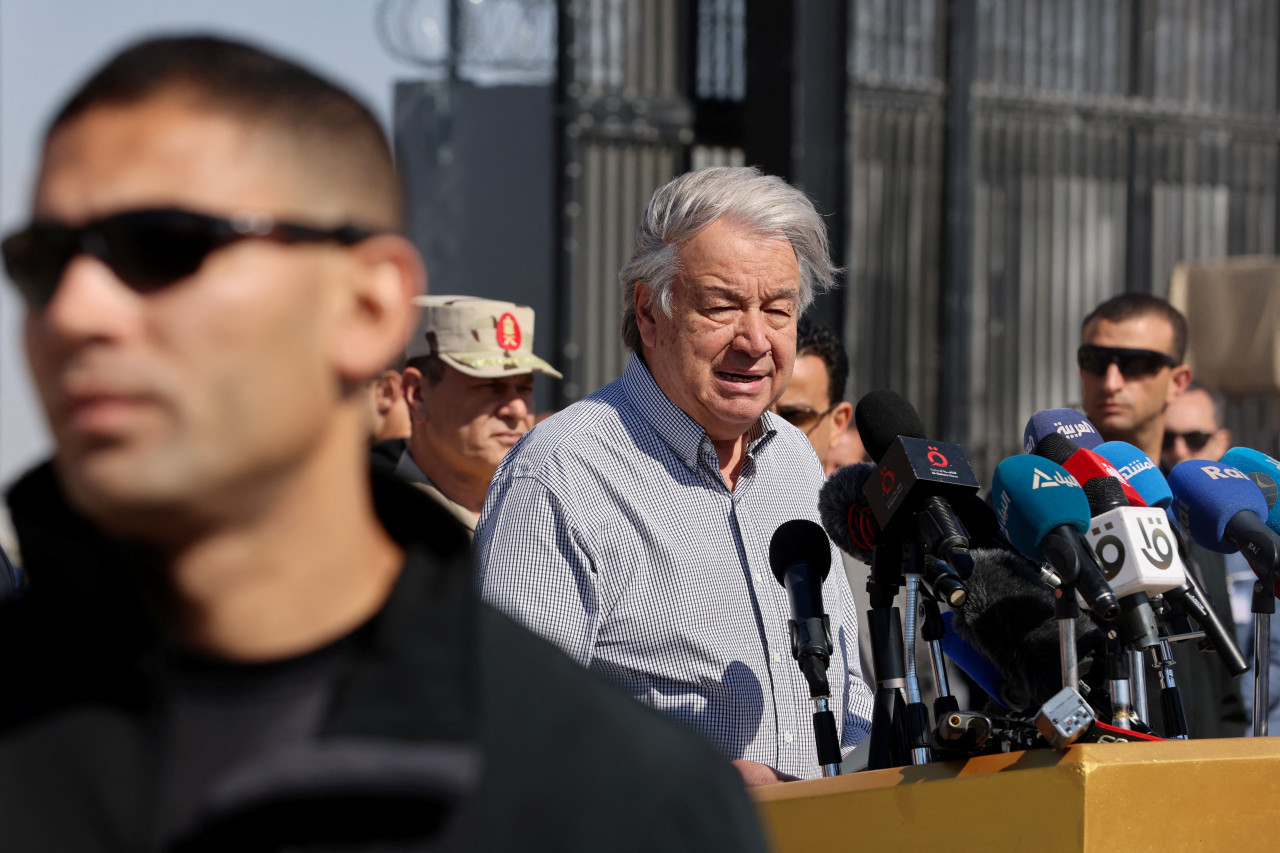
(761,204)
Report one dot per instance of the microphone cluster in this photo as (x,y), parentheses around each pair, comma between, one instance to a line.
(1060,593)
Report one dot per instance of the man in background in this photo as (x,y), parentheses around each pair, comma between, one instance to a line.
(468,382)
(235,637)
(389,434)
(1194,430)
(1131,370)
(813,401)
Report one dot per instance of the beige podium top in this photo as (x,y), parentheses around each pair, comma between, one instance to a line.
(1167,796)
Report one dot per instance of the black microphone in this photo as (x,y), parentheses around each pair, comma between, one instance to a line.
(800,556)
(913,485)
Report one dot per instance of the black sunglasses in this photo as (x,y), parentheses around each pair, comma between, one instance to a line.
(1132,362)
(802,417)
(145,249)
(1195,439)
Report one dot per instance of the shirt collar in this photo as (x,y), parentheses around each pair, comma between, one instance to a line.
(680,432)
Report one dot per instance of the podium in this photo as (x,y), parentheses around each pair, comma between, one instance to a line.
(1172,795)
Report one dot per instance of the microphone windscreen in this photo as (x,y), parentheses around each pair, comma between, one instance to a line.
(1055,448)
(1103,494)
(1265,473)
(799,540)
(1136,467)
(1009,619)
(845,513)
(1033,496)
(1207,495)
(881,417)
(1084,465)
(1067,423)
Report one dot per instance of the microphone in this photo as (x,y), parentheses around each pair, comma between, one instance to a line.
(1009,621)
(1189,597)
(845,513)
(1135,548)
(1044,512)
(847,517)
(1083,464)
(800,556)
(911,488)
(1136,468)
(1265,473)
(1223,510)
(1067,423)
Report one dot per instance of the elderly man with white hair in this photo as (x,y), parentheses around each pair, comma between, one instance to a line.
(633,528)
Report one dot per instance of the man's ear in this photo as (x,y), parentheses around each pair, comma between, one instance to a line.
(841,415)
(1178,382)
(385,274)
(645,310)
(1219,444)
(411,386)
(388,389)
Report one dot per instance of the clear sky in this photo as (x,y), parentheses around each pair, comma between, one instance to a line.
(47,46)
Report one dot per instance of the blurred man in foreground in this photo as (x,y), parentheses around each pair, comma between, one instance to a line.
(233,639)
(633,528)
(469,387)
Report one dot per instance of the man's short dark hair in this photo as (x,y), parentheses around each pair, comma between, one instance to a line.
(813,339)
(430,366)
(339,139)
(1129,306)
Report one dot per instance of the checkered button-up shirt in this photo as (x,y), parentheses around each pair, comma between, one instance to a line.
(609,530)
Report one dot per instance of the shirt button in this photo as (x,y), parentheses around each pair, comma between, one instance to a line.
(786,736)
(777,658)
(755,574)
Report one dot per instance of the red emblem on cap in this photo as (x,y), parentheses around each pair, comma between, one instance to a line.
(508,332)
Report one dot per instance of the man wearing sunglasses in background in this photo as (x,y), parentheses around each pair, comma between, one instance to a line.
(814,401)
(234,637)
(1131,371)
(1193,428)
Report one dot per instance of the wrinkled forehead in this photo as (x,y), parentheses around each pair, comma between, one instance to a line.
(166,151)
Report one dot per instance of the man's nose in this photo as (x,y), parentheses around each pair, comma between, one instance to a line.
(516,406)
(751,334)
(1113,379)
(88,303)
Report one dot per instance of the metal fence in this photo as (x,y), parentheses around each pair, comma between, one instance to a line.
(1110,140)
(1007,165)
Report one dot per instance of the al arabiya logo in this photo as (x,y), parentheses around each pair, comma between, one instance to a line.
(1073,431)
